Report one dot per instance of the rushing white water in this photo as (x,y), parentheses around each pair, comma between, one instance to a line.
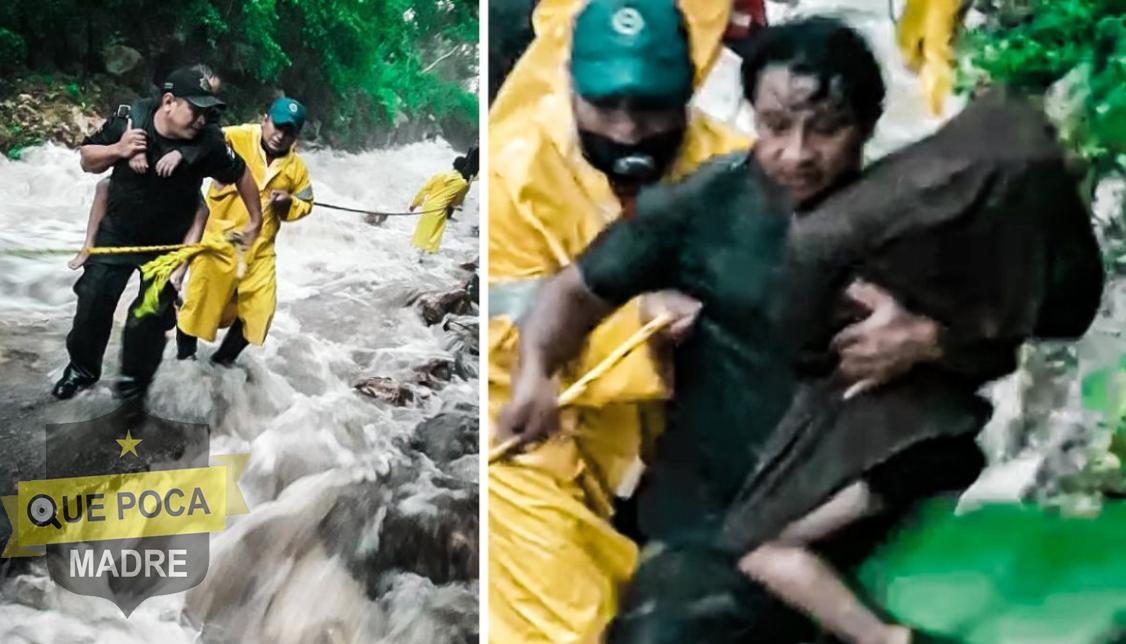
(344,542)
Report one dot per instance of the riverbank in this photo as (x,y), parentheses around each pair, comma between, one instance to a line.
(39,108)
(63,109)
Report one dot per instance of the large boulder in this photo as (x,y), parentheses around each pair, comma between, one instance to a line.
(434,307)
(121,60)
(447,436)
(390,390)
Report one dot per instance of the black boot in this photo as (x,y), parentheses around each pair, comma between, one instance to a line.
(185,345)
(131,389)
(71,383)
(232,346)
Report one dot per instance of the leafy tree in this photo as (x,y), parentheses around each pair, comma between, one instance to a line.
(1034,44)
(361,66)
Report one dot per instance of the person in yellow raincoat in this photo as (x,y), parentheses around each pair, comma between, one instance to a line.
(439,197)
(563,165)
(926,34)
(217,295)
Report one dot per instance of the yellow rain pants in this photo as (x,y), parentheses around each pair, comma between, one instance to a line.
(214,294)
(926,40)
(555,562)
(442,191)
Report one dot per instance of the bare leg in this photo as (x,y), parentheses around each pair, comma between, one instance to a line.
(97,213)
(803,580)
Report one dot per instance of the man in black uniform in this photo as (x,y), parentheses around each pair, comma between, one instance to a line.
(146,209)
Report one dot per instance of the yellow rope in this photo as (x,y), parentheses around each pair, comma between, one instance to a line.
(96,250)
(573,392)
(122,250)
(157,271)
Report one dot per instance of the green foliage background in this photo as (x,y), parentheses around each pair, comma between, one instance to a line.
(1032,44)
(362,67)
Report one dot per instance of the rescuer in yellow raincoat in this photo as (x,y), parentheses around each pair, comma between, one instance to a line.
(557,178)
(439,197)
(216,296)
(926,40)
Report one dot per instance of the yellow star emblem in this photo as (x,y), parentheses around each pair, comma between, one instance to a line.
(129,444)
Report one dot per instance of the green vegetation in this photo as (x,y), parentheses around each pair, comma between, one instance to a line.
(1032,45)
(1072,53)
(364,68)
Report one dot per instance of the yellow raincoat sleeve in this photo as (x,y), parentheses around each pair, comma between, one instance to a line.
(555,562)
(926,41)
(430,185)
(302,193)
(524,246)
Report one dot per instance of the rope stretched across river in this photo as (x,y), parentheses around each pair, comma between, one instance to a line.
(157,271)
(376,212)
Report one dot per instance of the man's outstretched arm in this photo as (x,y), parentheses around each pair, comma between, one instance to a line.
(564,314)
(627,259)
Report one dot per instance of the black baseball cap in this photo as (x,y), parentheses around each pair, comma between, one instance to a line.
(192,86)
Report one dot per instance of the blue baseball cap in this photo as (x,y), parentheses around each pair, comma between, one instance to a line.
(286,111)
(632,49)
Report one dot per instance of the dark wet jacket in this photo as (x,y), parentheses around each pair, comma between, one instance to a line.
(979,227)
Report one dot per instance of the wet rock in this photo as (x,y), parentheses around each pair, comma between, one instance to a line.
(449,613)
(463,342)
(389,390)
(436,538)
(434,372)
(276,577)
(442,546)
(434,307)
(447,436)
(473,288)
(121,60)
(466,366)
(466,330)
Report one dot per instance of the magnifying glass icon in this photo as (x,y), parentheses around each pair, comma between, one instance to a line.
(43,511)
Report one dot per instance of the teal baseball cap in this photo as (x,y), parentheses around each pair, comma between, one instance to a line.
(632,49)
(286,111)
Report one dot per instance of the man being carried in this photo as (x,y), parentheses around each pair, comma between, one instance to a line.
(143,210)
(216,295)
(140,164)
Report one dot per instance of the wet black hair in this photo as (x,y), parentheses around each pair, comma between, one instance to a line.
(472,161)
(827,49)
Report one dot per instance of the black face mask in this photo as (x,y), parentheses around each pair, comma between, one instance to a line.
(641,162)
